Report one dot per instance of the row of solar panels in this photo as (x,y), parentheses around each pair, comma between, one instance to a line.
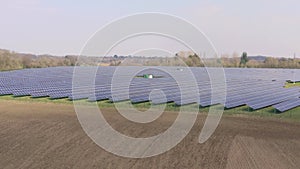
(257,88)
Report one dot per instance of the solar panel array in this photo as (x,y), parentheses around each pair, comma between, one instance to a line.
(256,88)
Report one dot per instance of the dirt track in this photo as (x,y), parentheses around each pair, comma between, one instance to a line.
(40,135)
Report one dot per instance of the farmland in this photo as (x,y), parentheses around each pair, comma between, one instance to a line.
(48,135)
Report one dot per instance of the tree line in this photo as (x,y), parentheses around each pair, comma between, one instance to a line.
(263,62)
(244,61)
(12,61)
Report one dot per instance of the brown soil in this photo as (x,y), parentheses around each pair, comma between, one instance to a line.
(46,135)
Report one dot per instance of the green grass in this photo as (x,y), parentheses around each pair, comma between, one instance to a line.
(291,84)
(41,99)
(145,105)
(293,114)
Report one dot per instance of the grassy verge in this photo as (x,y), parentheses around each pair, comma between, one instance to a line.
(30,99)
(291,84)
(293,114)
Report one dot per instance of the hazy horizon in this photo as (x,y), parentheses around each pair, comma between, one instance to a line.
(265,27)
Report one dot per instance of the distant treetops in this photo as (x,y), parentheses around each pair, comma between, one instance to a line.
(244,59)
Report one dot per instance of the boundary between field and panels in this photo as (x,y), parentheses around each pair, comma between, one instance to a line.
(268,112)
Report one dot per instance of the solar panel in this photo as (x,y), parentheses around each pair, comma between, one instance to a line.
(257,88)
(287,105)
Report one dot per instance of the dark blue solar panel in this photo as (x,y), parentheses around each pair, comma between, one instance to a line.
(287,105)
(256,88)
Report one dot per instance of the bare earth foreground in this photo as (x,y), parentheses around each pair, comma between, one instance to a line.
(46,135)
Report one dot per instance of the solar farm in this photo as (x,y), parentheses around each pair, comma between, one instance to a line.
(36,132)
(255,88)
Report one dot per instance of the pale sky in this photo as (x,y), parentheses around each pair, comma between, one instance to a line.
(60,27)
